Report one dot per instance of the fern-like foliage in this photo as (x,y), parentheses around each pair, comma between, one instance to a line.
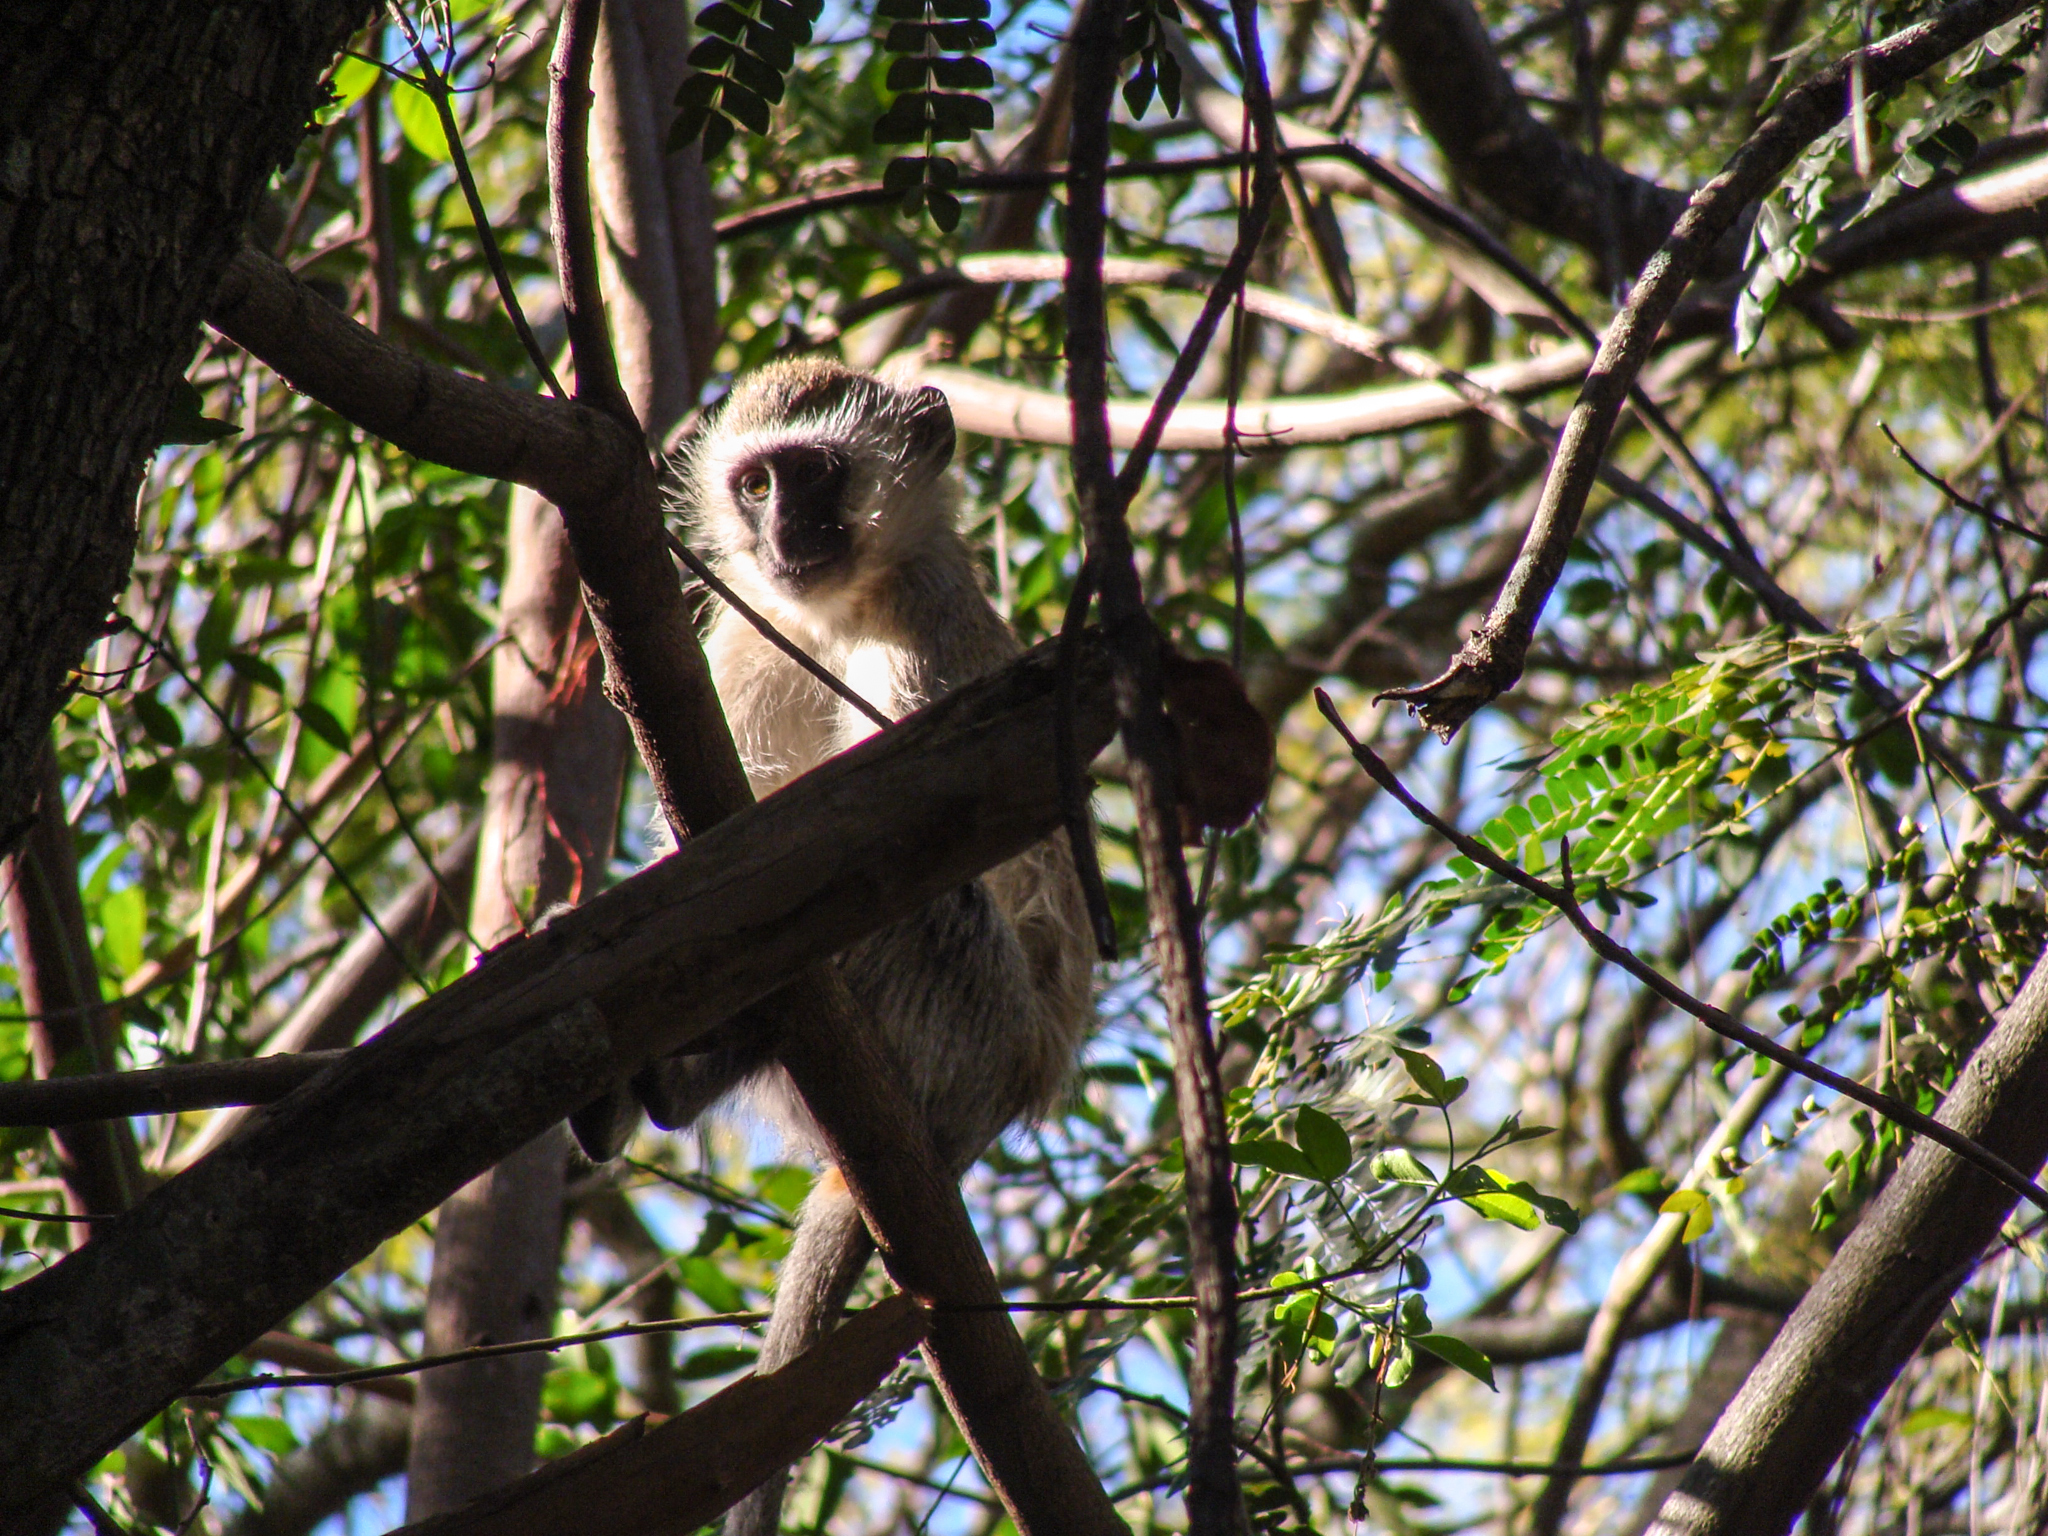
(747,52)
(938,72)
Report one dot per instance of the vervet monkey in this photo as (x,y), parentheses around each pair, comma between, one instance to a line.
(824,497)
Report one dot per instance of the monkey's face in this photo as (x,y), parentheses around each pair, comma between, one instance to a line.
(795,499)
(819,479)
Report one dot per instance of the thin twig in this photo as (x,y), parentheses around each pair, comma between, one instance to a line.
(569,98)
(1975,508)
(439,91)
(1726,1025)
(866,194)
(698,568)
(248,750)
(18,1214)
(1214,1501)
(478,1352)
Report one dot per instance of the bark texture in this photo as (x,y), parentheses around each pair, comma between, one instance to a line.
(133,143)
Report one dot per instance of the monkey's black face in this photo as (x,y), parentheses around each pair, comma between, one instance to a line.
(795,499)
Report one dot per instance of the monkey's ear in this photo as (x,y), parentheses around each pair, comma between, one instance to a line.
(931,427)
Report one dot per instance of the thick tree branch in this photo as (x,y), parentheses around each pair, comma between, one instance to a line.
(1442,61)
(92,1347)
(1019,413)
(70,1030)
(671,1480)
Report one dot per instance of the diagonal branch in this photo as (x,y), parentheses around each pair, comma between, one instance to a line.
(1491,661)
(1214,1502)
(92,1347)
(1720,1022)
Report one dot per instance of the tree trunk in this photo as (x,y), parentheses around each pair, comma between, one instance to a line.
(69,1030)
(133,143)
(558,763)
(552,809)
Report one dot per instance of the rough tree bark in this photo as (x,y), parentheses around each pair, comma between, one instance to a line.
(133,143)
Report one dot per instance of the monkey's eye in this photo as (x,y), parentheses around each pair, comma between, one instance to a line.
(755,484)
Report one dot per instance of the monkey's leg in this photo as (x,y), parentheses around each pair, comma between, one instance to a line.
(831,1249)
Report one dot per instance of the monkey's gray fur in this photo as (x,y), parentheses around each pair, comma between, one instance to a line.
(825,497)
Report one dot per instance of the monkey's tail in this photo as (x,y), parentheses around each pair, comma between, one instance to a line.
(831,1249)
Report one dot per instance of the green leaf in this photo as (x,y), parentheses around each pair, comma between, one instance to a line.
(945,208)
(570,1395)
(910,73)
(1397,1165)
(272,1435)
(255,669)
(1642,1181)
(961,36)
(1270,1152)
(123,916)
(789,21)
(757,77)
(319,719)
(1324,1142)
(961,74)
(1921,1420)
(352,79)
(1697,1209)
(1402,1365)
(1426,1074)
(719,1360)
(743,106)
(723,20)
(157,720)
(185,419)
(771,47)
(904,172)
(703,1279)
(1512,1209)
(419,121)
(1455,1351)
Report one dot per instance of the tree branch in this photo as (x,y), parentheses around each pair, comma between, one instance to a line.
(1491,661)
(590,342)
(1866,1315)
(695,1466)
(92,1347)
(1018,413)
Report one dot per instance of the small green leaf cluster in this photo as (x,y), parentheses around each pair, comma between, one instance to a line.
(741,66)
(940,74)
